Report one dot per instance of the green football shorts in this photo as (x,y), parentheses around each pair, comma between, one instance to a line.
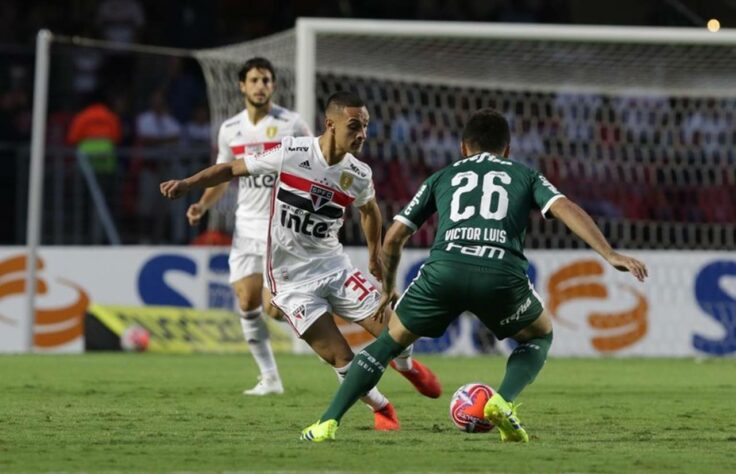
(504,302)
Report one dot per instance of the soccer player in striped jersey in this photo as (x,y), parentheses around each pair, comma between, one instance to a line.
(476,264)
(258,128)
(309,275)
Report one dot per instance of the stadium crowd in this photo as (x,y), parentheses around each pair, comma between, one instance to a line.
(156,102)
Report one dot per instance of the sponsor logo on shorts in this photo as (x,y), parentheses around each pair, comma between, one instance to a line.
(519,311)
(298,148)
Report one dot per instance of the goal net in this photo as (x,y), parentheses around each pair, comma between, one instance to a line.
(634,124)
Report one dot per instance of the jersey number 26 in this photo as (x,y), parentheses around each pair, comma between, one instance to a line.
(468,181)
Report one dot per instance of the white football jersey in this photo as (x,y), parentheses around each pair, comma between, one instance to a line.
(308,204)
(239,137)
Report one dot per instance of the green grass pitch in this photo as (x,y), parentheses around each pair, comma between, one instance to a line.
(154,413)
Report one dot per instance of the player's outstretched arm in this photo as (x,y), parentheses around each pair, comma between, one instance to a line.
(580,222)
(208,177)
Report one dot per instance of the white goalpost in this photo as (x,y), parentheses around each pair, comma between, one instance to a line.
(591,106)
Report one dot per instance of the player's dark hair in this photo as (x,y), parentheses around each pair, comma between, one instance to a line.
(256,63)
(344,99)
(487,130)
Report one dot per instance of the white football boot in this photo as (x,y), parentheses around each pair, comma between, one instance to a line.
(268,385)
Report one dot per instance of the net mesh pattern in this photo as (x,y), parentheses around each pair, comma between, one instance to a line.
(640,135)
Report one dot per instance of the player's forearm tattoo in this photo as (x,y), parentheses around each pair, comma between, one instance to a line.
(390,265)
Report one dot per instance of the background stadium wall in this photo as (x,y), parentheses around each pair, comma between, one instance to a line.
(686,308)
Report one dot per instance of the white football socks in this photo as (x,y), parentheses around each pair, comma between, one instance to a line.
(403,360)
(256,335)
(374,399)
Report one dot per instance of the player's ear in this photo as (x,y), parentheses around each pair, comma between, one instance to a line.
(329,123)
(241,84)
(463,149)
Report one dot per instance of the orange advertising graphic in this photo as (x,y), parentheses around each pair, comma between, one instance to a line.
(54,326)
(582,280)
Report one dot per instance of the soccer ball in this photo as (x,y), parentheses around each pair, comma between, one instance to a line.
(135,339)
(466,408)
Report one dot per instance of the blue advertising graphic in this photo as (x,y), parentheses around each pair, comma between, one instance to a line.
(219,294)
(718,305)
(151,284)
(154,290)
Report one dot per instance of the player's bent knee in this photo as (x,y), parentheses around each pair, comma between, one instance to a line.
(273,312)
(399,333)
(541,327)
(248,303)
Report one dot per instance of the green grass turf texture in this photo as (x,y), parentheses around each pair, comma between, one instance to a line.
(156,413)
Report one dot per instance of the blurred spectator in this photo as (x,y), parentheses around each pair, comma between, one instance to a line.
(184,89)
(198,130)
(156,126)
(404,127)
(120,20)
(95,131)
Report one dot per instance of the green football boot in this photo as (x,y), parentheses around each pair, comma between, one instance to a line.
(503,414)
(318,432)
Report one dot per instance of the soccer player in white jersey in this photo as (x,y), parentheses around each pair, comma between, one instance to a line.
(310,276)
(258,128)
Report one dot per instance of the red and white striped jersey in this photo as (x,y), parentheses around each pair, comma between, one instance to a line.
(308,204)
(239,137)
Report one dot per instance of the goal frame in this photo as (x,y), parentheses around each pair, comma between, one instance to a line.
(307,30)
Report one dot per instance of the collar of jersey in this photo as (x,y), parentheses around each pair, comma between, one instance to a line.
(323,160)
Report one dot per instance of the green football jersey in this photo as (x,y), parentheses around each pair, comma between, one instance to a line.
(483,206)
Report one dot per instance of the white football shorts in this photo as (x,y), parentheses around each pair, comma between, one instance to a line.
(247,256)
(345,293)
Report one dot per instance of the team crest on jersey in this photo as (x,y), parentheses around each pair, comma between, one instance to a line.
(346,180)
(320,196)
(271,131)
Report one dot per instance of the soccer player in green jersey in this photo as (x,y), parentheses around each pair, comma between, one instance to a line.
(476,264)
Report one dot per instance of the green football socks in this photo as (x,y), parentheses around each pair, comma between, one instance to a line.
(523,365)
(364,374)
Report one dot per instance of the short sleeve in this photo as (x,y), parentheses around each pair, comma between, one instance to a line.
(265,163)
(544,193)
(421,207)
(366,195)
(224,153)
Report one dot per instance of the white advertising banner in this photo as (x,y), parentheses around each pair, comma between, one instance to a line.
(686,308)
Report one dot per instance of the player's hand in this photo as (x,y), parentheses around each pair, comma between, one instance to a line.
(388,300)
(628,264)
(174,189)
(375,267)
(195,213)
